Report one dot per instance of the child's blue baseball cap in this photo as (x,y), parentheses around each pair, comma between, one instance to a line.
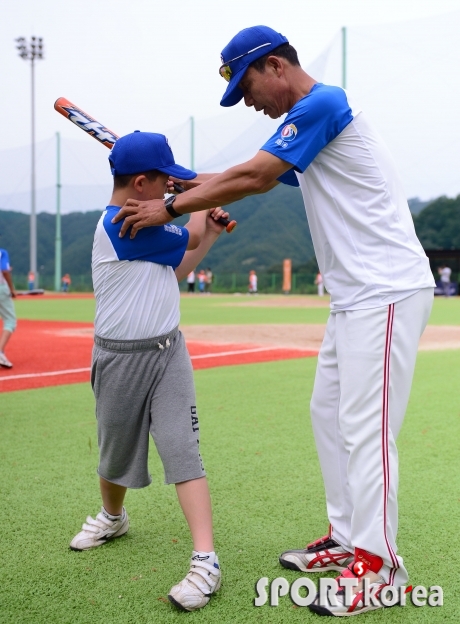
(145,151)
(245,47)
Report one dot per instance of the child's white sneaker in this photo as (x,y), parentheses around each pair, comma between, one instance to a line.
(98,531)
(203,579)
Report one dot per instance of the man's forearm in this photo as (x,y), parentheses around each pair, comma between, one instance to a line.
(222,189)
(257,175)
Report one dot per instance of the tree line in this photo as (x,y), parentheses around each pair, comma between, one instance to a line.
(271,227)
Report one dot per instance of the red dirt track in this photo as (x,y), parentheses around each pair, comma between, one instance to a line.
(52,353)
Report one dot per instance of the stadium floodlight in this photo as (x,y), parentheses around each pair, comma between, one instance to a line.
(32,50)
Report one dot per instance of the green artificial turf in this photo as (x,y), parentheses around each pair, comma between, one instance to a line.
(267,496)
(199,310)
(216,310)
(62,309)
(445,311)
(232,310)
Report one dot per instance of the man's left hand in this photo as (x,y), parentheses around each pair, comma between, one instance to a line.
(141,214)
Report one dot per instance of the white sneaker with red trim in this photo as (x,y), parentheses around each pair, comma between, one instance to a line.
(321,556)
(364,596)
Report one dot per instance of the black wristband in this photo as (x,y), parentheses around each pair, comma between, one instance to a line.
(169,207)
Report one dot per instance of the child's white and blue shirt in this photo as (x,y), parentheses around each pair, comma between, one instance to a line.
(136,289)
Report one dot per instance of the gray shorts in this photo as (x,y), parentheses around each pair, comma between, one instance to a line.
(142,387)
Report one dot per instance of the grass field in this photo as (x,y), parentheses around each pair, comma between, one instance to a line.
(266,487)
(216,310)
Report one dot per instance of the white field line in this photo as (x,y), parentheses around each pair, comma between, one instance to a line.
(50,374)
(225,353)
(192,357)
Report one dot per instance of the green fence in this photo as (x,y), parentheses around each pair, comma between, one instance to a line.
(266,283)
(302,283)
(222,283)
(80,283)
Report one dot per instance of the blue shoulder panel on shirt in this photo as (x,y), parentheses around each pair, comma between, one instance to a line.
(4,260)
(163,244)
(312,123)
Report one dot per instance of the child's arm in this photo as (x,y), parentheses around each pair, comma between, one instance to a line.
(196,227)
(193,256)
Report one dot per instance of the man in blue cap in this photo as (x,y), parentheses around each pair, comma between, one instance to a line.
(381,291)
(141,371)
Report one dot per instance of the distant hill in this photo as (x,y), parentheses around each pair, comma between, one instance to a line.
(438,225)
(77,241)
(271,227)
(416,205)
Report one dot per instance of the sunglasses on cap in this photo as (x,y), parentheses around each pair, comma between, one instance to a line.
(226,71)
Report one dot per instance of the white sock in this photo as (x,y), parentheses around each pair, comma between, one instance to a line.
(110,516)
(200,555)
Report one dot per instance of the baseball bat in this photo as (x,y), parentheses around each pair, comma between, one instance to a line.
(108,138)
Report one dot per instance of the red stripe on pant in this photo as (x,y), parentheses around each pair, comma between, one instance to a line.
(385,428)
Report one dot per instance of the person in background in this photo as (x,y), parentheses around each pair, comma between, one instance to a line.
(201,281)
(31,280)
(191,282)
(208,281)
(252,289)
(445,272)
(66,281)
(7,313)
(319,282)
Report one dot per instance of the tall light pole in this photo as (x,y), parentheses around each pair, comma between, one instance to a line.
(30,51)
(58,244)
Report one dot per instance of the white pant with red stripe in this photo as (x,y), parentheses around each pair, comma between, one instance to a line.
(361,391)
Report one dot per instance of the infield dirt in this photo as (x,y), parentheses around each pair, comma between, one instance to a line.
(435,337)
(295,336)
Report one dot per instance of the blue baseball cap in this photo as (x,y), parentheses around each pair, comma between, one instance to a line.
(245,47)
(144,151)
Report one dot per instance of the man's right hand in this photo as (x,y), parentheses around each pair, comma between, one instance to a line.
(141,214)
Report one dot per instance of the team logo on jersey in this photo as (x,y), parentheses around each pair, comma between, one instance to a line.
(289,132)
(168,227)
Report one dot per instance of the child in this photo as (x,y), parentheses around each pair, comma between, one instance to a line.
(141,372)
